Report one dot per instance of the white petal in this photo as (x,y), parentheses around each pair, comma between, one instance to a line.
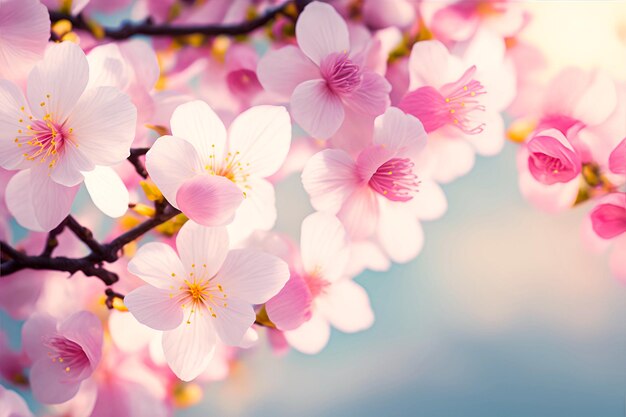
(103,124)
(107,67)
(428,64)
(52,202)
(18,197)
(323,246)
(252,275)
(202,249)
(490,141)
(198,124)
(128,334)
(347,307)
(58,81)
(429,202)
(155,263)
(320,31)
(107,190)
(232,322)
(312,336)
(399,232)
(256,212)
(170,162)
(330,178)
(398,130)
(154,307)
(70,163)
(189,348)
(143,60)
(11,102)
(262,136)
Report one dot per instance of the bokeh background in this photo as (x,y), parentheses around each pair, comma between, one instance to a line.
(504,313)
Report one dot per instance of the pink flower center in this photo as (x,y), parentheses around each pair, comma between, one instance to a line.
(341,74)
(42,140)
(68,354)
(548,163)
(395,180)
(454,104)
(316,284)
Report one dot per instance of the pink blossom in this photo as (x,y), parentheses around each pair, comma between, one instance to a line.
(552,158)
(12,405)
(376,194)
(215,180)
(201,294)
(63,354)
(451,98)
(335,298)
(25,32)
(617,159)
(62,135)
(609,218)
(323,77)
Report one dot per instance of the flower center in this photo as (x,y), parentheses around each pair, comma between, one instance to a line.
(395,180)
(67,353)
(341,74)
(231,167)
(548,163)
(43,140)
(316,284)
(200,293)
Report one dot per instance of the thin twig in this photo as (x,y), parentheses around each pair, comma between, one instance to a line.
(135,159)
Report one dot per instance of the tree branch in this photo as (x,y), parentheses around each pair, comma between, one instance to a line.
(135,159)
(129,29)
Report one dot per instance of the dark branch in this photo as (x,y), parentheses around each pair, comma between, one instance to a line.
(135,159)
(129,29)
(90,265)
(51,241)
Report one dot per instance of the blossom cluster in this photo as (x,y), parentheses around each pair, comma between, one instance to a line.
(180,137)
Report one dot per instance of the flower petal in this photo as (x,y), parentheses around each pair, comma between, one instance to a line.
(18,197)
(232,322)
(85,329)
(189,348)
(261,135)
(397,130)
(210,200)
(256,212)
(198,124)
(399,232)
(317,109)
(11,102)
(329,177)
(202,248)
(359,213)
(617,159)
(490,140)
(157,264)
(291,306)
(103,124)
(107,191)
(58,81)
(252,275)
(323,246)
(170,162)
(372,97)
(320,31)
(154,307)
(50,384)
(51,202)
(281,71)
(35,331)
(312,336)
(428,64)
(347,307)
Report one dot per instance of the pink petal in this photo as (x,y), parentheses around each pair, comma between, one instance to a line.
(320,31)
(324,246)
(198,124)
(282,70)
(38,328)
(70,165)
(252,275)
(429,203)
(104,122)
(170,162)
(18,197)
(372,97)
(62,75)
(202,248)
(260,138)
(49,382)
(231,323)
(210,200)
(311,337)
(317,109)
(428,64)
(451,157)
(330,178)
(359,213)
(291,306)
(85,329)
(25,32)
(11,101)
(617,159)
(12,405)
(397,131)
(189,348)
(155,263)
(52,202)
(347,307)
(598,100)
(20,291)
(154,307)
(609,218)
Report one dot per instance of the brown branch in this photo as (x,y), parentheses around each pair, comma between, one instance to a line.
(135,159)
(147,27)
